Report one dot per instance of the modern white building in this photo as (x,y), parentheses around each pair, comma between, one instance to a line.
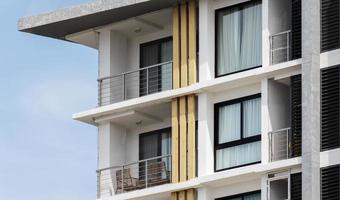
(211,99)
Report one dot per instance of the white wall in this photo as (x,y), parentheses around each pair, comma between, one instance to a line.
(237,188)
(279,15)
(279,105)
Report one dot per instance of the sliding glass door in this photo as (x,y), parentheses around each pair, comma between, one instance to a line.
(157,78)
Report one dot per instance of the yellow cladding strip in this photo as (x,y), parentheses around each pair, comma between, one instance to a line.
(192,43)
(191,137)
(176,47)
(181,195)
(175,141)
(191,194)
(183,139)
(174,196)
(184,45)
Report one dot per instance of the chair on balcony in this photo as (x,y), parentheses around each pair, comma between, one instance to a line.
(128,183)
(157,174)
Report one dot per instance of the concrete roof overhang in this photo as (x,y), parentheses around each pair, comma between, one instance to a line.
(60,23)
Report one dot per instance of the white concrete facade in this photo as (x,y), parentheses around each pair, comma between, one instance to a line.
(120,124)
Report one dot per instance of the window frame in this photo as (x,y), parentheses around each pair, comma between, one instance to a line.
(234,143)
(157,42)
(153,42)
(239,195)
(216,38)
(155,132)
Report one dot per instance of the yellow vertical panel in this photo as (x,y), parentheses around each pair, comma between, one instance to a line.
(181,195)
(192,43)
(183,139)
(191,136)
(176,47)
(174,196)
(175,140)
(184,46)
(191,194)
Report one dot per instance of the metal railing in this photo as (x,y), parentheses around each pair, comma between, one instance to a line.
(280,147)
(133,84)
(280,47)
(134,176)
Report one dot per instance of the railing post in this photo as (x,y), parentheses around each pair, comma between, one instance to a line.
(146,173)
(147,81)
(99,184)
(124,87)
(271,49)
(100,92)
(123,179)
(270,147)
(288,46)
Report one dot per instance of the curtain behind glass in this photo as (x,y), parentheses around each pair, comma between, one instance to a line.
(252,117)
(239,38)
(238,155)
(166,55)
(253,197)
(229,123)
(166,150)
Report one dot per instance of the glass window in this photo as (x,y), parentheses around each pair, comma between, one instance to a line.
(238,141)
(155,78)
(238,38)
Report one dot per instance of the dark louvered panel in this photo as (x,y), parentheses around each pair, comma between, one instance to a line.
(330,187)
(330,25)
(295,186)
(330,108)
(296,29)
(296,115)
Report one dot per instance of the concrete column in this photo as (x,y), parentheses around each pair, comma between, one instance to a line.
(204,194)
(265,121)
(310,99)
(206,47)
(111,145)
(205,135)
(112,61)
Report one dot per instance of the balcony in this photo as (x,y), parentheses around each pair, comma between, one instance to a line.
(134,176)
(284,105)
(280,47)
(128,85)
(284,28)
(280,145)
(284,185)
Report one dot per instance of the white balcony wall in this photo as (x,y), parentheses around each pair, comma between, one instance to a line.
(280,16)
(279,104)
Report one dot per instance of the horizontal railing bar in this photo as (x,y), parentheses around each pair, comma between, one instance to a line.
(133,71)
(149,159)
(280,130)
(281,33)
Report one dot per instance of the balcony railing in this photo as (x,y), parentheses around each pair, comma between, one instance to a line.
(280,47)
(134,176)
(133,84)
(280,146)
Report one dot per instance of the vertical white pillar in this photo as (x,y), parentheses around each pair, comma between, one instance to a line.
(265,34)
(265,121)
(204,194)
(310,99)
(206,38)
(205,135)
(112,61)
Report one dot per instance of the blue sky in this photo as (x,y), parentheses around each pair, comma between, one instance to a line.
(44,154)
